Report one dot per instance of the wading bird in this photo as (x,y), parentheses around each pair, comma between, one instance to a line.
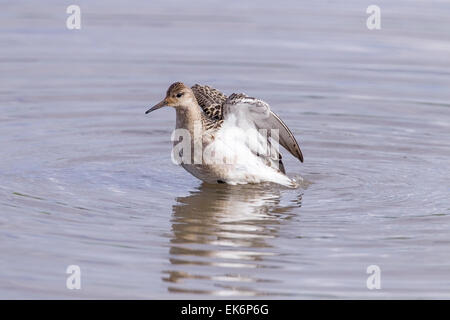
(237,136)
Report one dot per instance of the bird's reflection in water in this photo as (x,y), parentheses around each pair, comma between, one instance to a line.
(222,237)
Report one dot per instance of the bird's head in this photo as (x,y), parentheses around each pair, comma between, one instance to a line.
(178,96)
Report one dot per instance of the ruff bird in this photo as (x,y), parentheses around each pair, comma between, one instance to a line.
(231,140)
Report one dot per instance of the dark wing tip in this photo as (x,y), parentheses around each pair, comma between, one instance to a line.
(299,153)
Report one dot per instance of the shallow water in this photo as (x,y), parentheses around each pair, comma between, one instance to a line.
(86,178)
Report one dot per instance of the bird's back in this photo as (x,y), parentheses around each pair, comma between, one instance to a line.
(210,100)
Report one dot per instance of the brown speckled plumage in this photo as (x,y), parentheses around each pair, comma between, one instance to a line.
(210,100)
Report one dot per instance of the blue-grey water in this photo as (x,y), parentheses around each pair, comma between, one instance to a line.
(86,178)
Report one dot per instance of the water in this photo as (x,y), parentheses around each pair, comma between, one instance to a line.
(86,178)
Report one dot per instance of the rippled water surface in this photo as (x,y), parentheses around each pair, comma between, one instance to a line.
(86,178)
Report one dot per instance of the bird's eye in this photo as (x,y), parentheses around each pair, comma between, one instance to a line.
(179,95)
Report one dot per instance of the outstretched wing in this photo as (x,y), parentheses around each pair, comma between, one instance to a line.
(210,100)
(259,112)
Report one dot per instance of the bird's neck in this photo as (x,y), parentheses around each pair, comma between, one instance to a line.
(189,118)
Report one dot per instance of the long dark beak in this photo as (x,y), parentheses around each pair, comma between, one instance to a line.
(158,106)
